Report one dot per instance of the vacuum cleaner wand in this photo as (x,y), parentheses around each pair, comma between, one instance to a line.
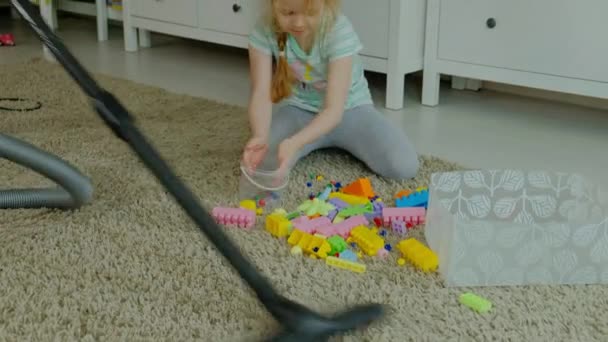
(298,322)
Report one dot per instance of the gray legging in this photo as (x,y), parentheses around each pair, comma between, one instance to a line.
(364,132)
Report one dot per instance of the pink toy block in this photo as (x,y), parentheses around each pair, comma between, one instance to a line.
(343,228)
(239,217)
(311,226)
(411,215)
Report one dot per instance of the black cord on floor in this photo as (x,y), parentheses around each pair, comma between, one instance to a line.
(37,105)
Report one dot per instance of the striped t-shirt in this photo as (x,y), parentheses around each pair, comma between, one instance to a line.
(311,70)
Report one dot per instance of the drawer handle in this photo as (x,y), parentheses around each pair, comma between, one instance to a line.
(491,23)
(236,8)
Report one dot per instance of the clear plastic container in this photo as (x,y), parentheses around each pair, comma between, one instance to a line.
(264,183)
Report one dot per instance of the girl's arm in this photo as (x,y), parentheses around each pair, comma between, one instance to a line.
(260,103)
(338,86)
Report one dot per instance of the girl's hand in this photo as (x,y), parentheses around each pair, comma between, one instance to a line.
(255,151)
(287,150)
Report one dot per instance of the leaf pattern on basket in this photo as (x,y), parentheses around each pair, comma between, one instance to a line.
(521,227)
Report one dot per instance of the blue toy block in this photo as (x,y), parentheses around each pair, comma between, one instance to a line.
(417,199)
(348,255)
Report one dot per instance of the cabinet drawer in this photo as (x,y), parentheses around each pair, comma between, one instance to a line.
(556,37)
(183,12)
(371,22)
(236,16)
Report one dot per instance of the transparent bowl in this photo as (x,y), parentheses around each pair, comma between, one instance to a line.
(264,183)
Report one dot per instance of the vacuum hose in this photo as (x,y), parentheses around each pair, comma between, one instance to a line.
(75,189)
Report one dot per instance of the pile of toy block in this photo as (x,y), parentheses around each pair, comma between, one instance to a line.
(340,225)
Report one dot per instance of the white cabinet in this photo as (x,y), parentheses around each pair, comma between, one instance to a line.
(548,44)
(392,31)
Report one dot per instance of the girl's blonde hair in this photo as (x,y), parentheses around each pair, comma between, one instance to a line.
(283,78)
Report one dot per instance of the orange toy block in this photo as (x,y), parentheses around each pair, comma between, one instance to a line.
(361,187)
(403,193)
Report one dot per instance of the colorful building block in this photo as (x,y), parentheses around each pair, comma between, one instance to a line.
(337,243)
(362,187)
(350,199)
(411,215)
(347,254)
(417,199)
(248,204)
(378,206)
(332,215)
(338,203)
(343,228)
(403,193)
(399,227)
(309,243)
(240,217)
(475,302)
(345,264)
(369,242)
(278,225)
(316,206)
(356,210)
(419,255)
(311,226)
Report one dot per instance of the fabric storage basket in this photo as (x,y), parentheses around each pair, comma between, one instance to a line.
(516,227)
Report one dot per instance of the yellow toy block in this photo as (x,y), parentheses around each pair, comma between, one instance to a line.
(248,204)
(419,255)
(278,225)
(367,240)
(350,199)
(309,243)
(345,264)
(321,245)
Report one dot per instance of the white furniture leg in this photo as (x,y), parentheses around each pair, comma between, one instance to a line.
(48,11)
(395,88)
(430,87)
(14,13)
(102,20)
(144,38)
(129,32)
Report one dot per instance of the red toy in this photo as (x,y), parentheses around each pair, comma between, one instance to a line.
(7,39)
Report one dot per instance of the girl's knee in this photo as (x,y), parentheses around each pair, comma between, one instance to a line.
(402,167)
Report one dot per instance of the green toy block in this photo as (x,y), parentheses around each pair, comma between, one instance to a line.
(337,243)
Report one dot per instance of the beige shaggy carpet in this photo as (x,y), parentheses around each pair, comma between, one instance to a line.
(132,267)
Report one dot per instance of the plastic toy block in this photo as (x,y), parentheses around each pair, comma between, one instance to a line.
(417,199)
(316,206)
(376,213)
(350,199)
(311,226)
(367,240)
(343,228)
(278,225)
(318,246)
(239,217)
(419,255)
(403,193)
(356,210)
(293,215)
(345,264)
(411,215)
(296,250)
(332,215)
(338,203)
(325,194)
(347,254)
(361,187)
(475,302)
(248,204)
(309,244)
(399,227)
(337,219)
(337,243)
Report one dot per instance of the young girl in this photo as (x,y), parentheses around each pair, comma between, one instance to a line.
(319,78)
